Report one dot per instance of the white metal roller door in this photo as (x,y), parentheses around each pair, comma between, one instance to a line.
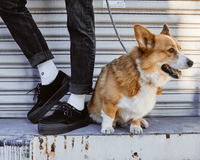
(179,98)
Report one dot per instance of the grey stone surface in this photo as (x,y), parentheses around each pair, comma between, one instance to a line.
(164,125)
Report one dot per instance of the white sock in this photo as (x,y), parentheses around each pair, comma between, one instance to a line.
(48,72)
(78,101)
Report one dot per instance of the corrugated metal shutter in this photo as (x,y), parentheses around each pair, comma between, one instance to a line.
(179,98)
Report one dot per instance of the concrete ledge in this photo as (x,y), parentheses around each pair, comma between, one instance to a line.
(166,138)
(164,125)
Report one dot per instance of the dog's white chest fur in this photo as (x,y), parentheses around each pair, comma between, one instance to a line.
(139,105)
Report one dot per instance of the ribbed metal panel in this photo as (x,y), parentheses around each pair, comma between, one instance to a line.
(14,149)
(179,98)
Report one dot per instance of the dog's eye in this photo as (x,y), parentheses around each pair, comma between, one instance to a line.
(171,50)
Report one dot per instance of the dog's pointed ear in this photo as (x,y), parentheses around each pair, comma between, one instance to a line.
(166,30)
(144,37)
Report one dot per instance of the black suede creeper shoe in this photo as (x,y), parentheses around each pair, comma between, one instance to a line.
(48,96)
(64,119)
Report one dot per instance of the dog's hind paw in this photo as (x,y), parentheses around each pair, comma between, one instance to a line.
(108,130)
(144,123)
(135,129)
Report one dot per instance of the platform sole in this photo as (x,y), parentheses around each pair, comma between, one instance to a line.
(38,113)
(52,129)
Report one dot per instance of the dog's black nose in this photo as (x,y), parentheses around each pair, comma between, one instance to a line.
(190,63)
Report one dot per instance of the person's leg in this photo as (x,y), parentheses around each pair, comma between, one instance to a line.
(25,31)
(81,27)
(32,43)
(48,72)
(74,114)
(77,100)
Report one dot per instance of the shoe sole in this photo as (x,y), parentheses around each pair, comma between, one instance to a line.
(37,114)
(52,129)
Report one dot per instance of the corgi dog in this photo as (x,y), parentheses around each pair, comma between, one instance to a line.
(127,88)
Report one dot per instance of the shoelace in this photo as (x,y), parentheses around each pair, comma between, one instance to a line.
(37,91)
(66,109)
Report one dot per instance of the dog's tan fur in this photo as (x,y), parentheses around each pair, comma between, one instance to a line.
(128,76)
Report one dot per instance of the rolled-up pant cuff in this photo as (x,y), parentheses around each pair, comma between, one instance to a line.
(80,88)
(40,58)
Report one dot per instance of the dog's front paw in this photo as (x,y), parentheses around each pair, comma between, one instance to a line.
(144,123)
(107,130)
(135,129)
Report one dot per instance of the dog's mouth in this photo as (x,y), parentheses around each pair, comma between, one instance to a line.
(174,73)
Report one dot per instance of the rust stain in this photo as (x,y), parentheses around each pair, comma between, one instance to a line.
(65,145)
(72,142)
(87,137)
(53,147)
(86,157)
(167,136)
(46,153)
(52,151)
(82,140)
(131,135)
(41,141)
(135,154)
(86,146)
(65,142)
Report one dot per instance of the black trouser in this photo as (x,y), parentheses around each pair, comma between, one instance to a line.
(80,23)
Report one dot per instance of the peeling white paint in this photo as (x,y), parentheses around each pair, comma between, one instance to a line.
(120,147)
(101,147)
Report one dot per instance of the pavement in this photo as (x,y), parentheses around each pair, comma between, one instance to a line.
(164,125)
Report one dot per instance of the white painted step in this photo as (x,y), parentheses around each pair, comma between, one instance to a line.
(166,138)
